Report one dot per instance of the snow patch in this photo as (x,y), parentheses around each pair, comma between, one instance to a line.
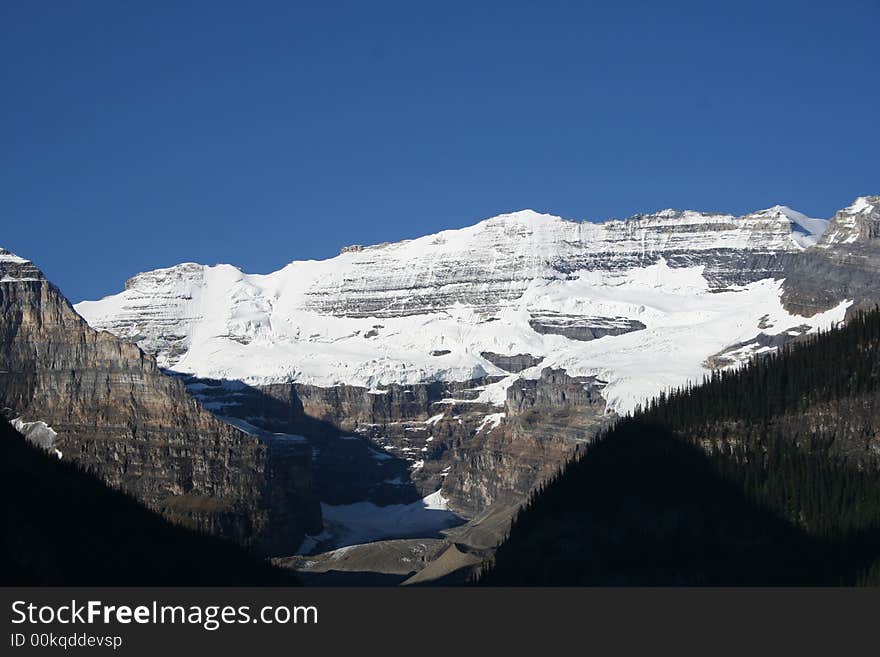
(862,204)
(39,433)
(256,431)
(363,522)
(492,420)
(9,256)
(431,421)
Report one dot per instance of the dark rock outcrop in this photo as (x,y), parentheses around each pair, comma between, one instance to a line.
(512,362)
(553,392)
(118,415)
(576,327)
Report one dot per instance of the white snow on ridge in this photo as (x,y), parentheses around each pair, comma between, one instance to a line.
(425,309)
(9,256)
(862,204)
(682,331)
(848,225)
(686,322)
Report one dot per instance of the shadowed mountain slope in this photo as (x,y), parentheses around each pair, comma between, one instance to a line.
(106,405)
(766,475)
(65,527)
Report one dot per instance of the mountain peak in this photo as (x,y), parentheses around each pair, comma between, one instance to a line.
(525,216)
(9,257)
(15,269)
(858,223)
(781,210)
(806,231)
(863,204)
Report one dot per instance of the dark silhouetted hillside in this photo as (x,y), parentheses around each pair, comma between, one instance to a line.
(764,475)
(62,526)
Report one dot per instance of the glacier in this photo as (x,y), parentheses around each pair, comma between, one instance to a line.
(651,297)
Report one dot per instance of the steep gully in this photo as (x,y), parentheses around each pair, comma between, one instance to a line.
(404,443)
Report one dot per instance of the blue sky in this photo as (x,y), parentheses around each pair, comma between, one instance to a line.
(139,135)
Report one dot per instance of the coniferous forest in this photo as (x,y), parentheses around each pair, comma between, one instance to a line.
(764,475)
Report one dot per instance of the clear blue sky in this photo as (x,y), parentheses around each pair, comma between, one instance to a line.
(137,135)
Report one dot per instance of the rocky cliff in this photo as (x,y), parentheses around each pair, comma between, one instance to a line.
(845,264)
(421,438)
(544,421)
(106,405)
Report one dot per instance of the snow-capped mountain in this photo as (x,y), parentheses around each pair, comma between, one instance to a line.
(858,222)
(640,303)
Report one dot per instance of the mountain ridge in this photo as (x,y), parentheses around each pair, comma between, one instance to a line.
(529,214)
(469,364)
(340,320)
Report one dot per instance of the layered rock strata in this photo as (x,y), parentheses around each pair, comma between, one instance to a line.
(113,411)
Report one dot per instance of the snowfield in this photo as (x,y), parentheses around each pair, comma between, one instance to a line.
(424,310)
(364,522)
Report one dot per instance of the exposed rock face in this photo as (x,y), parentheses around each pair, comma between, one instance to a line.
(845,264)
(581,328)
(427,437)
(286,406)
(554,391)
(116,413)
(39,433)
(352,407)
(512,362)
(858,223)
(385,280)
(544,422)
(761,344)
(406,432)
